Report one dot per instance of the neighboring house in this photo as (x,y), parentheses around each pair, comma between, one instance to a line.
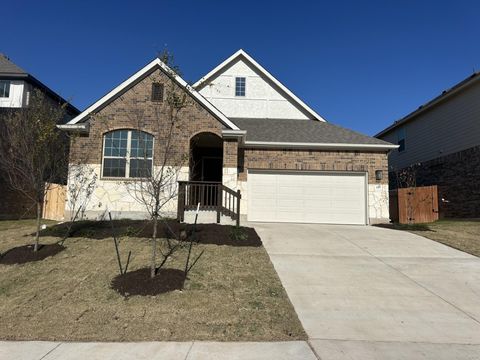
(16,86)
(247,131)
(440,142)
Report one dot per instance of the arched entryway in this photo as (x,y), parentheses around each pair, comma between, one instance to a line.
(206,157)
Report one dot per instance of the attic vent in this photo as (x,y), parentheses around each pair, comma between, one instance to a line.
(157,92)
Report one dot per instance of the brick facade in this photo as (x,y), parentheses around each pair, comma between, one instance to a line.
(290,159)
(15,205)
(458,179)
(134,109)
(230,153)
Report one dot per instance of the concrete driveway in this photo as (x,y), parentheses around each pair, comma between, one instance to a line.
(373,293)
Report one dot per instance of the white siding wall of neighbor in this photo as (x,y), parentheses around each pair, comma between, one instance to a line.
(15,100)
(448,127)
(262,98)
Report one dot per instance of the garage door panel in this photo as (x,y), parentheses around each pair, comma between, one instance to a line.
(337,198)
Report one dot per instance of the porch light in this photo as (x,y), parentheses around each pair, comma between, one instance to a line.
(379,174)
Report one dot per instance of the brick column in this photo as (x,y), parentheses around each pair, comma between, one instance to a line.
(230,163)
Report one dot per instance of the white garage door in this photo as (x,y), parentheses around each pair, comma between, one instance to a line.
(308,197)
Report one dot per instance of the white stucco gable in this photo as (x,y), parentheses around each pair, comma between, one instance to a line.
(265,96)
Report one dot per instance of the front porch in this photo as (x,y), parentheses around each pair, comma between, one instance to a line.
(212,184)
(212,198)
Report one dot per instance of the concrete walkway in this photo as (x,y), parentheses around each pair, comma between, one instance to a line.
(45,350)
(372,293)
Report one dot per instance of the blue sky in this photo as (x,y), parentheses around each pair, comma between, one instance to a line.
(360,64)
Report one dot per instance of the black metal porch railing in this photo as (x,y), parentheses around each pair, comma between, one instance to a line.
(211,196)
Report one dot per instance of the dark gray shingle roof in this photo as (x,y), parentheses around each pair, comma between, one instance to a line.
(302,131)
(8,67)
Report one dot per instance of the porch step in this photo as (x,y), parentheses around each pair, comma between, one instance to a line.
(207,217)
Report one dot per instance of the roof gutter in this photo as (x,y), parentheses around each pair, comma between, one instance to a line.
(322,146)
(235,134)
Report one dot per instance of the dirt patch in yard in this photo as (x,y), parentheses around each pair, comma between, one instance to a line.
(139,282)
(25,254)
(232,294)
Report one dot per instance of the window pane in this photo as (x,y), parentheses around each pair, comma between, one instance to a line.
(141,145)
(240,86)
(4,88)
(114,167)
(140,168)
(116,143)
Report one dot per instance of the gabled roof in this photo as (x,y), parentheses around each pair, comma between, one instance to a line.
(440,98)
(151,66)
(11,71)
(241,54)
(306,134)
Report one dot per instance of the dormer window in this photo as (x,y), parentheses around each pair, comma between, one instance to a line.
(239,86)
(4,89)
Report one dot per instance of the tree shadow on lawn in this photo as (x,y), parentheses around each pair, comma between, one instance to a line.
(405,227)
(205,233)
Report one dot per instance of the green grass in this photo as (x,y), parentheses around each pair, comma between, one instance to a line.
(461,234)
(15,224)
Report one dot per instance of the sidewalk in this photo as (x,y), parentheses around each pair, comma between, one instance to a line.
(46,350)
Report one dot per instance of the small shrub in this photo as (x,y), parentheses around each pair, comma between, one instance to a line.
(238,234)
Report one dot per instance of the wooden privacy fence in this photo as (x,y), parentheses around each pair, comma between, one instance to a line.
(414,205)
(54,202)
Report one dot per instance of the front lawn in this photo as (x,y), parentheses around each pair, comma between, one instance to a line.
(463,235)
(232,294)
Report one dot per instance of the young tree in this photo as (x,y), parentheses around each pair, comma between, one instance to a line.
(155,185)
(33,152)
(82,182)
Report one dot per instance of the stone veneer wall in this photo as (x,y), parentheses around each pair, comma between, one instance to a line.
(457,176)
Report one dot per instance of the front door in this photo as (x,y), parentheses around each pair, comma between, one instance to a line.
(212,168)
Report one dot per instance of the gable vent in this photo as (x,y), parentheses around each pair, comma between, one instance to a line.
(157,92)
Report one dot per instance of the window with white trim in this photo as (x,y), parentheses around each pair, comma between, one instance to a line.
(127,154)
(4,88)
(240,84)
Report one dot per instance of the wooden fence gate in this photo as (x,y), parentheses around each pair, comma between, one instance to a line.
(414,205)
(54,202)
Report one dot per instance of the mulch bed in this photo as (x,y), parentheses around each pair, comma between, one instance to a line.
(215,234)
(206,233)
(25,254)
(139,282)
